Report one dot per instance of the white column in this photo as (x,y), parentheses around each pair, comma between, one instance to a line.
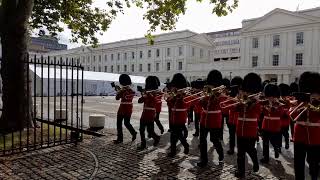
(279,78)
(285,79)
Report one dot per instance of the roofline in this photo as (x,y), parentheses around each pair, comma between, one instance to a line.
(222,31)
(306,10)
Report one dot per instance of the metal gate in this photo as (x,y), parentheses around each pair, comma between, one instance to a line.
(56,87)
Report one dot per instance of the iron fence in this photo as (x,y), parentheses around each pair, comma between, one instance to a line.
(55,89)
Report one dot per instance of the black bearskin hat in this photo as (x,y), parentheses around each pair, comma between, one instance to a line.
(158,81)
(214,78)
(294,87)
(198,84)
(151,83)
(178,81)
(271,90)
(284,89)
(236,83)
(309,82)
(264,83)
(251,83)
(226,82)
(125,80)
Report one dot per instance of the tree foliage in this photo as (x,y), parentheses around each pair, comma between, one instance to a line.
(84,20)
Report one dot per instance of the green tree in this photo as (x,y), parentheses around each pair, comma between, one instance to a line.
(19,17)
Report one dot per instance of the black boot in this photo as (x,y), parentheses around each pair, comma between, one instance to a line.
(202,164)
(156,141)
(134,136)
(117,141)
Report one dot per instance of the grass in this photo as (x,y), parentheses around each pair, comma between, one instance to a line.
(34,137)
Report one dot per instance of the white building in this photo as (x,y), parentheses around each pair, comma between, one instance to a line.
(281,44)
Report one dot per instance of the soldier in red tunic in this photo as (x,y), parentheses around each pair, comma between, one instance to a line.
(126,95)
(158,107)
(249,110)
(271,124)
(197,87)
(211,118)
(178,118)
(236,83)
(294,87)
(307,127)
(285,119)
(149,112)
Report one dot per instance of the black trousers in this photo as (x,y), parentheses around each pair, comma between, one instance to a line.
(232,135)
(301,151)
(246,145)
(150,129)
(197,122)
(127,124)
(157,121)
(214,137)
(274,139)
(190,115)
(177,133)
(292,128)
(285,134)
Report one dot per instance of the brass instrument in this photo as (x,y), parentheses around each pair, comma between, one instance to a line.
(240,100)
(207,91)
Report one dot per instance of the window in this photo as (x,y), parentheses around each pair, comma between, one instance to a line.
(299,59)
(180,66)
(158,53)
(216,59)
(168,52)
(255,43)
(254,61)
(141,54)
(100,58)
(157,66)
(132,55)
(201,53)
(125,68)
(94,58)
(132,68)
(125,56)
(105,58)
(192,51)
(299,38)
(88,59)
(111,57)
(94,68)
(276,40)
(118,68)
(88,68)
(105,68)
(180,51)
(149,67)
(140,67)
(168,66)
(99,69)
(111,69)
(118,56)
(149,53)
(275,60)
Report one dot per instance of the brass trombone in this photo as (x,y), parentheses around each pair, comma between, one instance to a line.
(239,100)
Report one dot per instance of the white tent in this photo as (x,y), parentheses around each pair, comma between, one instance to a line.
(94,83)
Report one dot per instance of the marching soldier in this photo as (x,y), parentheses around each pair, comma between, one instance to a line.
(158,107)
(294,87)
(125,94)
(285,119)
(149,111)
(197,87)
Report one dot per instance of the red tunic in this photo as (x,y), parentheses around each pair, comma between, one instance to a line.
(233,117)
(179,112)
(158,102)
(126,96)
(307,128)
(247,125)
(149,109)
(272,119)
(211,116)
(197,107)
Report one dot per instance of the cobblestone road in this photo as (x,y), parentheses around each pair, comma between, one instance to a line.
(99,158)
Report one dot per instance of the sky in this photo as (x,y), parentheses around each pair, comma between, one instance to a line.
(198,18)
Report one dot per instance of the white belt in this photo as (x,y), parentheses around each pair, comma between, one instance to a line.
(212,112)
(308,124)
(272,118)
(149,108)
(178,109)
(248,119)
(126,103)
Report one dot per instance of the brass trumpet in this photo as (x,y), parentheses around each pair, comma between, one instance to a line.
(239,100)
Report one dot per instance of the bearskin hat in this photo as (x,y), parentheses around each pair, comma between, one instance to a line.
(198,84)
(151,83)
(125,80)
(226,82)
(251,83)
(214,78)
(271,90)
(178,81)
(158,81)
(236,83)
(284,89)
(309,82)
(294,87)
(264,83)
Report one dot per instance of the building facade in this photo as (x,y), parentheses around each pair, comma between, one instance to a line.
(279,46)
